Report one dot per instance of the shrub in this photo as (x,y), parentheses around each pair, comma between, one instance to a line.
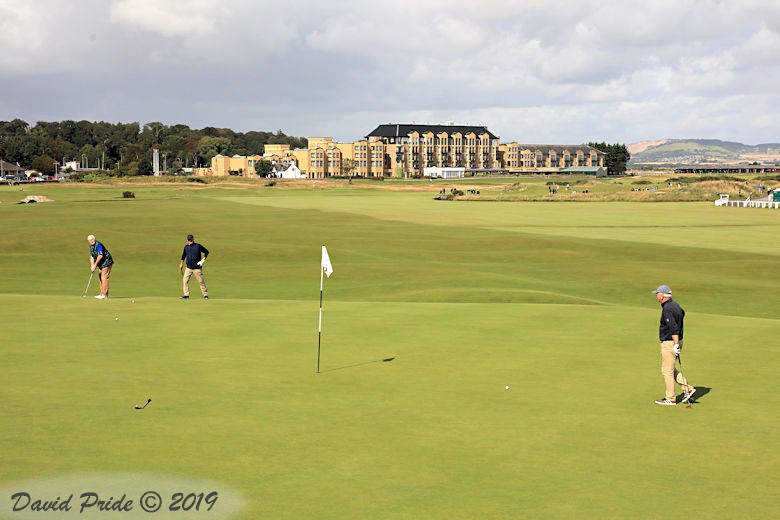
(92,177)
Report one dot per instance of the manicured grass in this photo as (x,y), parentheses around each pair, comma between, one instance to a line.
(552,300)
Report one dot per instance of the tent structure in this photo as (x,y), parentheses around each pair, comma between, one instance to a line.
(444,173)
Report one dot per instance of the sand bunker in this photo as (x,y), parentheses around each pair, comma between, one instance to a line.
(35,198)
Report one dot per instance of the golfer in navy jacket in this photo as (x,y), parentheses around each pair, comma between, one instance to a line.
(192,255)
(670,333)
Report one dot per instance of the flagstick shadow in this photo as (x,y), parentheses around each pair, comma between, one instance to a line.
(386,360)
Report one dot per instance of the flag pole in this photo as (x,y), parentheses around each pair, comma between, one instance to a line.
(319,328)
(325,268)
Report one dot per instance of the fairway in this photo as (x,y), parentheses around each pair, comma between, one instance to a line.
(522,336)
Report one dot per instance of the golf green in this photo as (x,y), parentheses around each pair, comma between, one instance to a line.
(478,359)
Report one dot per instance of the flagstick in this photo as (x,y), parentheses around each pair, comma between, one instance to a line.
(319,328)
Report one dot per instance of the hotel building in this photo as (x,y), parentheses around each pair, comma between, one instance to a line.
(405,150)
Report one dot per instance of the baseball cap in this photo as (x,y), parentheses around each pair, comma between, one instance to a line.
(190,237)
(663,289)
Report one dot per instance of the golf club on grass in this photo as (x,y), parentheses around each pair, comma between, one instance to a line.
(139,407)
(88,282)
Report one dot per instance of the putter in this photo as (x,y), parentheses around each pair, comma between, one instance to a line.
(88,282)
(139,407)
(688,404)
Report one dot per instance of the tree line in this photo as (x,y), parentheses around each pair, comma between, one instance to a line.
(617,157)
(126,149)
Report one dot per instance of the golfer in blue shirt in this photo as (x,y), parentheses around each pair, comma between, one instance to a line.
(100,259)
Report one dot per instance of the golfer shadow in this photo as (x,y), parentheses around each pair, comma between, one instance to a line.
(701,391)
(386,360)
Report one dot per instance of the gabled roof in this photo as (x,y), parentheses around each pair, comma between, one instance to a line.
(402,130)
(8,167)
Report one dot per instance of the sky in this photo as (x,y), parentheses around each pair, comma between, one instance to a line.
(551,71)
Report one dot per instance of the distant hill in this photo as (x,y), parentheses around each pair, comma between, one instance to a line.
(688,151)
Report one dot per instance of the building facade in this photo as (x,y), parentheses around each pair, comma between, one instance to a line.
(223,166)
(535,158)
(406,150)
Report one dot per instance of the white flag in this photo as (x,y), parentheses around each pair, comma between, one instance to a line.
(326,262)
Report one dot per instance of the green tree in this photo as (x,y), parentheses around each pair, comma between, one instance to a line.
(122,146)
(89,156)
(263,168)
(83,134)
(44,164)
(15,127)
(22,149)
(60,148)
(616,160)
(126,168)
(11,148)
(154,132)
(212,146)
(145,165)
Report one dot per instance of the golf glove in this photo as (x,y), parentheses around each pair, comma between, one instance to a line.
(200,262)
(677,349)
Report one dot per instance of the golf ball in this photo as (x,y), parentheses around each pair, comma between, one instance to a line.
(118,318)
(506,387)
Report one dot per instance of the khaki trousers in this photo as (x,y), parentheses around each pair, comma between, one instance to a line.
(668,370)
(103,276)
(198,276)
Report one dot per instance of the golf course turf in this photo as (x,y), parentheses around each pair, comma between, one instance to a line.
(550,299)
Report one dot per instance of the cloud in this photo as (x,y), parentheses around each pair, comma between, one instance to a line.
(20,33)
(610,70)
(172,18)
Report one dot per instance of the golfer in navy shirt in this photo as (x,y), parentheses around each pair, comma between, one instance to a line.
(670,333)
(192,255)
